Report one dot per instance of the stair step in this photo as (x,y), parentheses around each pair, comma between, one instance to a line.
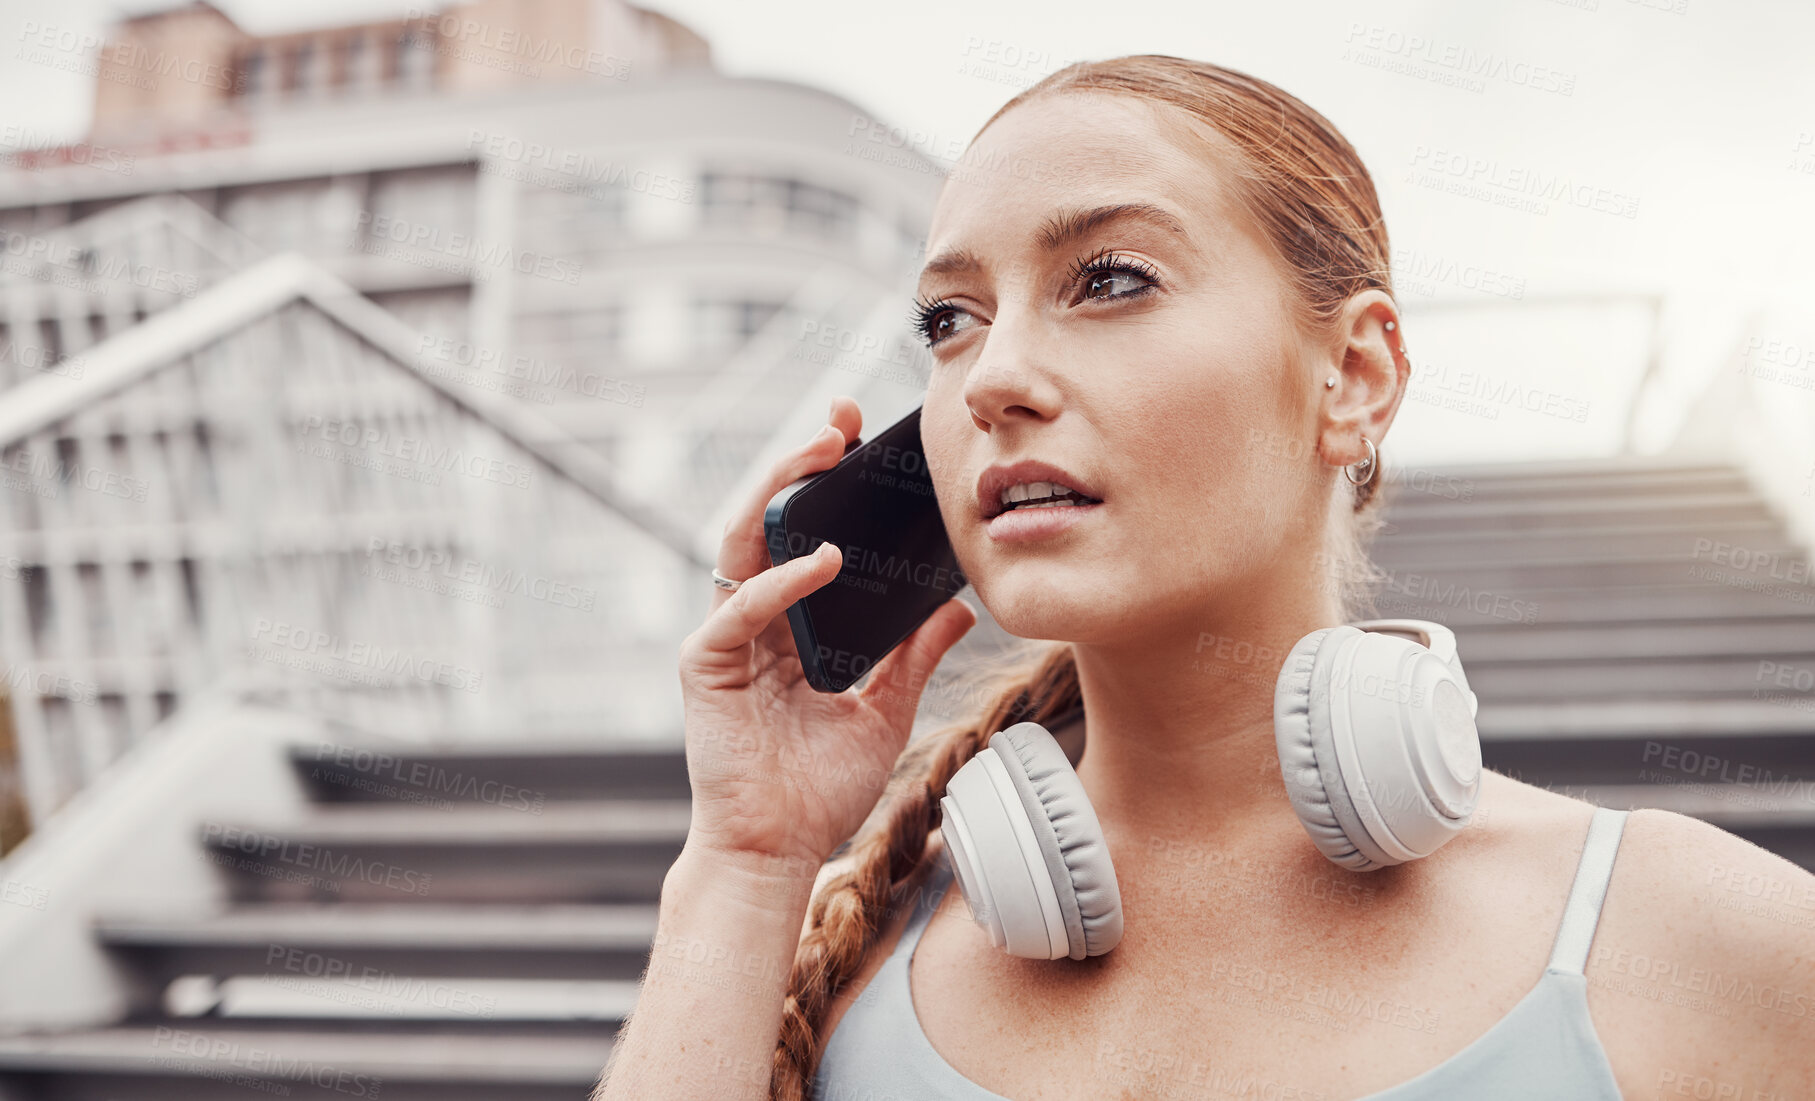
(616,851)
(1713,640)
(1479,611)
(1408,549)
(167,1061)
(1729,806)
(1540,511)
(1638,719)
(474,941)
(1613,474)
(1788,579)
(1560,682)
(1778,766)
(516,777)
(385,996)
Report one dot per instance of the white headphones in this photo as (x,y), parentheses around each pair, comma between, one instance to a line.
(1375,725)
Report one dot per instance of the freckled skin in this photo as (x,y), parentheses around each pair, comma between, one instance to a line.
(1199,412)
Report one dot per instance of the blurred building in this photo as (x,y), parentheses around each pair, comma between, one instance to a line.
(665,270)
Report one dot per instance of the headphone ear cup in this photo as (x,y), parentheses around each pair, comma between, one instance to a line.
(1377,746)
(1028,851)
(1307,756)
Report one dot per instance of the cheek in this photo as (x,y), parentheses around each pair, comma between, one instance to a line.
(943,420)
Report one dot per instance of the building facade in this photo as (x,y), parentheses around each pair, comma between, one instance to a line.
(666,270)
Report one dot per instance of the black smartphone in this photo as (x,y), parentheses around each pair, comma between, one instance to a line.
(877,507)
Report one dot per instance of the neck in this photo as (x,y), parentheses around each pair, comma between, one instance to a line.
(1179,740)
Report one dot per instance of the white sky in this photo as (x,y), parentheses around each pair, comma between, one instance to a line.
(1700,114)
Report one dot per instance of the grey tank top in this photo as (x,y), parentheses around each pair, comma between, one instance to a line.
(1544,1047)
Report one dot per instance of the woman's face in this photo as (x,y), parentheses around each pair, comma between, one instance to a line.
(1100,302)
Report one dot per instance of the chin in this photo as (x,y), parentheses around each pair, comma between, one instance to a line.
(1031,602)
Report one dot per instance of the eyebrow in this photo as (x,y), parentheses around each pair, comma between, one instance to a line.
(1060,229)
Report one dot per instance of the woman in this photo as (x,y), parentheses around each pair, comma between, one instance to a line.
(1170,281)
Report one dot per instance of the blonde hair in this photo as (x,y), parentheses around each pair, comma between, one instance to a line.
(1307,189)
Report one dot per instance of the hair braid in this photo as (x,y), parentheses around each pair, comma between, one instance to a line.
(850,912)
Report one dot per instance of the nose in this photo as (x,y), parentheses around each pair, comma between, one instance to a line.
(1011,379)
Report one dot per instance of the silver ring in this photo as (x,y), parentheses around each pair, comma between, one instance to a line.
(724,582)
(1349,471)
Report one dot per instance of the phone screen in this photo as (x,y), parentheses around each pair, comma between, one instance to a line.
(877,506)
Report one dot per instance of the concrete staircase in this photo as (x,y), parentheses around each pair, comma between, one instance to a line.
(450,925)
(466,924)
(1640,632)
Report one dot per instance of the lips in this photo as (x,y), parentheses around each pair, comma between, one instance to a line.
(997,478)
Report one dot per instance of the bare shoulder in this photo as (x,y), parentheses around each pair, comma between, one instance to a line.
(1701,976)
(1702,972)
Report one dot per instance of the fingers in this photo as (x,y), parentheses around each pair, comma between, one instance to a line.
(731,626)
(744,552)
(896,684)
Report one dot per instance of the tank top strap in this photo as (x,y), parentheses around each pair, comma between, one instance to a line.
(1583,911)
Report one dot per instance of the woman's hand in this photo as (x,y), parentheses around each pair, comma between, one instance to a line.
(778,769)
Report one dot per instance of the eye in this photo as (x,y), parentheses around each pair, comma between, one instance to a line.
(935,321)
(1110,275)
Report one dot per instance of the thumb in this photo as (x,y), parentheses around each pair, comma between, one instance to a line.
(896,684)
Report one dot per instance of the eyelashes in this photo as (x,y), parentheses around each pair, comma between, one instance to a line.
(928,318)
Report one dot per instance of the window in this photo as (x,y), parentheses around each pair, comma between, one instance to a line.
(730,321)
(301,69)
(415,58)
(763,203)
(254,77)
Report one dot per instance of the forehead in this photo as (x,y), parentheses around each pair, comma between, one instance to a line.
(1078,150)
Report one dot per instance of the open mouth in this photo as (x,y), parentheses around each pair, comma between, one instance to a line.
(1037,495)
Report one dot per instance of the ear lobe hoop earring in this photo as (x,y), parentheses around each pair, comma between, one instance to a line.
(1367,464)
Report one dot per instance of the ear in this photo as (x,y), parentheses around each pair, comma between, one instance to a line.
(1371,375)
